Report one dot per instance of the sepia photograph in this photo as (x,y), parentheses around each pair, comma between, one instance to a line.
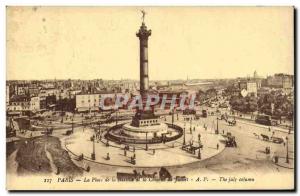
(150,98)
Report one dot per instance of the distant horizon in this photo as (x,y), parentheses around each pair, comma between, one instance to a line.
(251,76)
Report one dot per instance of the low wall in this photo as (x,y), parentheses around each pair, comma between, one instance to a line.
(124,139)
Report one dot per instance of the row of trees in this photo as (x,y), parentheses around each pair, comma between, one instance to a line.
(203,95)
(277,105)
(270,104)
(243,104)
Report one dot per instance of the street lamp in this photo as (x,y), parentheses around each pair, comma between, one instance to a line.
(191,125)
(93,155)
(184,135)
(199,151)
(287,150)
(116,117)
(217,131)
(172,117)
(82,126)
(72,125)
(146,141)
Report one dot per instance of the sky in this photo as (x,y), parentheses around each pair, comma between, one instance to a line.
(193,42)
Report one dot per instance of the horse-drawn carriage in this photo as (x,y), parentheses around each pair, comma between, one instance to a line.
(273,139)
(277,140)
(230,140)
(79,158)
(121,176)
(231,122)
(265,137)
(191,149)
(164,174)
(69,132)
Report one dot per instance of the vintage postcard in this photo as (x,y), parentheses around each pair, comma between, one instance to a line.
(150,98)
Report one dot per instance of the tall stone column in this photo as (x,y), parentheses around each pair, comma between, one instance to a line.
(143,35)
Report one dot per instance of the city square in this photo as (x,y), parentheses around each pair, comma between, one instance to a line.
(160,130)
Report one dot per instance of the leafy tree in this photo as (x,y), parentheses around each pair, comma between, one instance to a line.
(243,104)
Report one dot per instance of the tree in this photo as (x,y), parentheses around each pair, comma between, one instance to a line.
(243,104)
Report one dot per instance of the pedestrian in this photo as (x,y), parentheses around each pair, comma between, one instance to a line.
(107,156)
(217,146)
(88,168)
(276,159)
(125,152)
(153,151)
(57,170)
(267,150)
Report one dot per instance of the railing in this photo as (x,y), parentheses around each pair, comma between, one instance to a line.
(155,140)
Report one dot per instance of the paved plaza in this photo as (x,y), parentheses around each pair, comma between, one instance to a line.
(157,155)
(249,156)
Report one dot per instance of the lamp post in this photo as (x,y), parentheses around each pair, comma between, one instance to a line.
(191,125)
(99,124)
(72,125)
(146,141)
(93,156)
(184,135)
(116,117)
(199,151)
(287,150)
(217,131)
(172,117)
